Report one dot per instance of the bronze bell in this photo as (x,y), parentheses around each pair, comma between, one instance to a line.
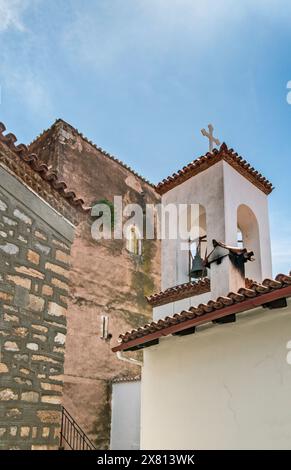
(198,269)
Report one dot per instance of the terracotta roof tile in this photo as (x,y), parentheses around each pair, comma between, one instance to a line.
(210,158)
(42,169)
(179,292)
(251,297)
(118,380)
(186,290)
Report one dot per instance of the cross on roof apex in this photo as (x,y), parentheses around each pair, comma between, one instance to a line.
(210,136)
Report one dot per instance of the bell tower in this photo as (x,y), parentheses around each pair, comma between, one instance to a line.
(233,207)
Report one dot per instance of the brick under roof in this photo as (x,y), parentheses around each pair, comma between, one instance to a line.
(210,158)
(245,299)
(22,153)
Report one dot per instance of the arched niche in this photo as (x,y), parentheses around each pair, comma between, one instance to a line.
(133,240)
(248,230)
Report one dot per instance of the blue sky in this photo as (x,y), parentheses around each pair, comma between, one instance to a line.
(142,77)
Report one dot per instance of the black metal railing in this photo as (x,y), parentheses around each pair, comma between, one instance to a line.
(72,437)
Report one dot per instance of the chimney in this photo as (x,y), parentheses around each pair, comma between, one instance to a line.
(227,268)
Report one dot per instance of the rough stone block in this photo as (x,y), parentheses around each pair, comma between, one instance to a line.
(45,432)
(63,257)
(11,346)
(56,400)
(40,337)
(9,221)
(56,309)
(49,416)
(36,357)
(40,235)
(24,431)
(21,331)
(5,296)
(51,387)
(20,281)
(33,257)
(30,272)
(36,303)
(8,394)
(3,206)
(60,284)
(22,216)
(57,269)
(47,290)
(42,248)
(9,248)
(41,328)
(3,368)
(13,413)
(32,346)
(60,338)
(13,431)
(30,397)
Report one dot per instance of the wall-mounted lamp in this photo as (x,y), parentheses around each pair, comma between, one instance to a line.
(104,328)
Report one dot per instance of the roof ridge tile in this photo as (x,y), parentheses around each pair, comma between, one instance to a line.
(198,165)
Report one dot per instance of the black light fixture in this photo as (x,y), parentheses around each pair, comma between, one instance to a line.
(198,269)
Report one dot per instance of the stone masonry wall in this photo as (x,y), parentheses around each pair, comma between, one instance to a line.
(34,263)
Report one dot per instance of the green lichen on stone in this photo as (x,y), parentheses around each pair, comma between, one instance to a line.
(142,284)
(110,204)
(135,319)
(102,423)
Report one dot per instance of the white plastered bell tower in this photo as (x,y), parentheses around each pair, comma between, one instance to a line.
(235,199)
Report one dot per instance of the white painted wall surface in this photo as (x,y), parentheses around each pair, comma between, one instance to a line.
(238,190)
(125,416)
(225,387)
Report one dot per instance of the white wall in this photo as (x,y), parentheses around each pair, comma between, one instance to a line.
(238,190)
(125,416)
(225,387)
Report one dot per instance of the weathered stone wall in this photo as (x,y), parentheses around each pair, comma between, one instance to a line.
(106,279)
(34,261)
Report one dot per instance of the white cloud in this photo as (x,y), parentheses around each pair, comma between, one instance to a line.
(10,14)
(28,88)
(106,33)
(21,77)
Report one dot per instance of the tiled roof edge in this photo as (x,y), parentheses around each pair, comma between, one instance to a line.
(210,158)
(244,294)
(31,159)
(182,291)
(118,380)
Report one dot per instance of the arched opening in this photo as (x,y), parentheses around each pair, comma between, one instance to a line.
(240,242)
(198,244)
(249,237)
(133,240)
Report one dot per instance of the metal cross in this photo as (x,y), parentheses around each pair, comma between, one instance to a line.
(210,137)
